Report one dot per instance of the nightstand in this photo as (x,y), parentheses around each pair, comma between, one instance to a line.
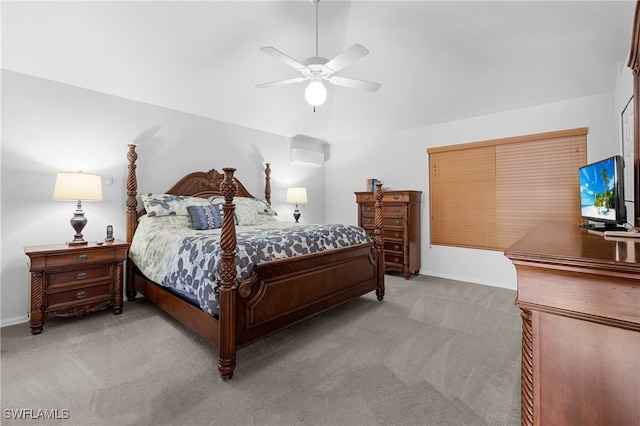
(74,280)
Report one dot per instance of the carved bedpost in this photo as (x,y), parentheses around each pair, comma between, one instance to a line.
(378,239)
(267,183)
(131,218)
(132,188)
(227,294)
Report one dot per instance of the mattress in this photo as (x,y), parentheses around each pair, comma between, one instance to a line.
(168,251)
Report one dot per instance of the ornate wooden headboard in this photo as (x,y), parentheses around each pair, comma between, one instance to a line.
(204,185)
(196,184)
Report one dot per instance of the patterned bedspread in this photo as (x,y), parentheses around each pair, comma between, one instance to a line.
(169,252)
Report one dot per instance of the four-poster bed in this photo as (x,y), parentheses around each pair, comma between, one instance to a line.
(277,293)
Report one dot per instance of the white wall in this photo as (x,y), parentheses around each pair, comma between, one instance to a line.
(400,160)
(49,127)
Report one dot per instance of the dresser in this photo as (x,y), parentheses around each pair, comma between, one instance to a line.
(401,226)
(74,280)
(579,293)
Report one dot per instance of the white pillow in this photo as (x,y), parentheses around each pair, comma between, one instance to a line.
(246,215)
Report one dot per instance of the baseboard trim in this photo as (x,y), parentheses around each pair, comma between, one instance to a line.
(469,280)
(13,321)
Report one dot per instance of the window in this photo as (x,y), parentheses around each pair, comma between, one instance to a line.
(490,194)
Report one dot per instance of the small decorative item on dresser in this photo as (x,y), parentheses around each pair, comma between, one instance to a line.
(78,186)
(401,227)
(297,195)
(371,184)
(109,234)
(73,280)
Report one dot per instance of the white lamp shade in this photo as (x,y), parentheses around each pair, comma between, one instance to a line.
(78,186)
(315,93)
(297,195)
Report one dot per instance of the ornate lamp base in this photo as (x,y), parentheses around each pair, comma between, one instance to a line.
(78,222)
(296,213)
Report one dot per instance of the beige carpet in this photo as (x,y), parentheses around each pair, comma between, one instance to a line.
(434,352)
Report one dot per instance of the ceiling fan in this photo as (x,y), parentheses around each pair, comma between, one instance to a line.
(318,69)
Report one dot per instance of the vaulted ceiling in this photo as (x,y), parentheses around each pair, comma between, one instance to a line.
(437,61)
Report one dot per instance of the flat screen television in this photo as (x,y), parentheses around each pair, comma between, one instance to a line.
(602,192)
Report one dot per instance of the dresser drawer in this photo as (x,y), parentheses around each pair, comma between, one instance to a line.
(389,197)
(78,295)
(393,245)
(387,223)
(388,234)
(79,275)
(391,210)
(393,258)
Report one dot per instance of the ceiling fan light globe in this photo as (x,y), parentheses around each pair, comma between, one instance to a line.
(315,93)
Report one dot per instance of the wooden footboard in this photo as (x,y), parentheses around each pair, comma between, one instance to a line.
(278,294)
(284,292)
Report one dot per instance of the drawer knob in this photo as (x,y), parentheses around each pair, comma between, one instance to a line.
(367,198)
(396,247)
(396,197)
(81,294)
(82,257)
(81,275)
(397,209)
(368,209)
(368,221)
(395,234)
(396,259)
(396,222)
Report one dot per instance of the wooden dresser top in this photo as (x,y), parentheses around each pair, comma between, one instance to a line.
(570,244)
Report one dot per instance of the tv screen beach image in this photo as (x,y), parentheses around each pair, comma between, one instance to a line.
(597,190)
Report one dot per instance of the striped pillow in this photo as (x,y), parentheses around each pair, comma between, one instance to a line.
(205,217)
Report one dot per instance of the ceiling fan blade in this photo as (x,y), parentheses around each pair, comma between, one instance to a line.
(347,57)
(354,84)
(282,57)
(281,82)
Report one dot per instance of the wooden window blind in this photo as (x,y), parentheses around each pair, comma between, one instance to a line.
(490,194)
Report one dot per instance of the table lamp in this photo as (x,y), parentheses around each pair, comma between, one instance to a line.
(297,195)
(78,186)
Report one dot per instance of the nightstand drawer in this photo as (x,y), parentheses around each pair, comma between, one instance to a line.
(78,295)
(79,258)
(75,277)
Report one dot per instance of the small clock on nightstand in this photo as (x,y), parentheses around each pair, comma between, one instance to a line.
(74,280)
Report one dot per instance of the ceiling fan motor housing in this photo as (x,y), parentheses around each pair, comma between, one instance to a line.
(316,68)
(319,68)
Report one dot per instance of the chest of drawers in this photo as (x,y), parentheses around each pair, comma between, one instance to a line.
(401,227)
(74,280)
